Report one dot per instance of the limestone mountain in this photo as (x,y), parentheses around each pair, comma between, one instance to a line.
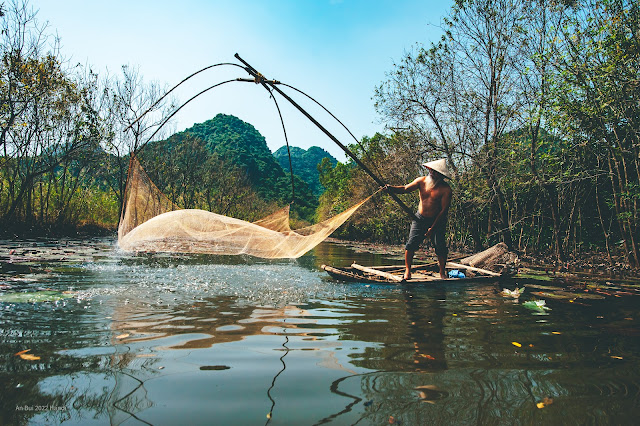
(305,164)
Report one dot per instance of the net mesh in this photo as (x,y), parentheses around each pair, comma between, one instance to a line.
(150,222)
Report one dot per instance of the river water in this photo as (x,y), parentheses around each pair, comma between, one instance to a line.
(117,338)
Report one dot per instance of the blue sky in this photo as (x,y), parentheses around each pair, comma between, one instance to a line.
(337,51)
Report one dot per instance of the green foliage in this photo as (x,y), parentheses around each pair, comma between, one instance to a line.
(97,207)
(535,106)
(337,182)
(380,219)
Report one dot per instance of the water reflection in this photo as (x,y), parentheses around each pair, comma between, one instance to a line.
(234,340)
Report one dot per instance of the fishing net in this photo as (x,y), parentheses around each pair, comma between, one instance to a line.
(150,222)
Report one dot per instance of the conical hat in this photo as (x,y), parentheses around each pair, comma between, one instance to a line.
(439,166)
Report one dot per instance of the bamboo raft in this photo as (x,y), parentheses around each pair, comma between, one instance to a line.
(420,274)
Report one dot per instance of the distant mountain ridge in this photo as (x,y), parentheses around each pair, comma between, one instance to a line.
(305,164)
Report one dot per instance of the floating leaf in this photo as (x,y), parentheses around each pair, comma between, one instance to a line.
(123,336)
(512,293)
(537,305)
(616,357)
(29,357)
(516,344)
(428,387)
(430,393)
(545,401)
(22,352)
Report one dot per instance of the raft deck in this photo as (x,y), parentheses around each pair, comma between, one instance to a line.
(420,274)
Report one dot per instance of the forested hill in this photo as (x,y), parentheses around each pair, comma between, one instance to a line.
(235,152)
(305,164)
(240,144)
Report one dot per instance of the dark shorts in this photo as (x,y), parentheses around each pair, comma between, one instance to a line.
(419,227)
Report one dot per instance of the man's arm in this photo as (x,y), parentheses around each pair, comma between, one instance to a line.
(403,189)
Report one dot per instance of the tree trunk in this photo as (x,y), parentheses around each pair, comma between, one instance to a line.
(605,232)
(616,200)
(555,216)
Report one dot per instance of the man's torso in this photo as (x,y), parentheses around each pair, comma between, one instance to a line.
(431,196)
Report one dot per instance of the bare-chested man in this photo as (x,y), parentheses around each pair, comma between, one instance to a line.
(431,218)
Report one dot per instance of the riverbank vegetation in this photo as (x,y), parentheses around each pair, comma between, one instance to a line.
(534,104)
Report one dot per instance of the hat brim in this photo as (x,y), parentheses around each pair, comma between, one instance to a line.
(431,168)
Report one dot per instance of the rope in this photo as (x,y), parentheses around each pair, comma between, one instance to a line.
(182,106)
(286,140)
(259,79)
(176,86)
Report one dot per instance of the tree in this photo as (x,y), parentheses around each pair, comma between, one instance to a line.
(132,112)
(45,114)
(458,95)
(596,92)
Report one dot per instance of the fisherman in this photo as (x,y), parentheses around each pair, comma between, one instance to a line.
(431,218)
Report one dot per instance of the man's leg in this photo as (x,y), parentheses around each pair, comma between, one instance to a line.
(442,261)
(408,260)
(416,236)
(440,244)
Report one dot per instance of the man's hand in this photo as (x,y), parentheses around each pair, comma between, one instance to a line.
(429,232)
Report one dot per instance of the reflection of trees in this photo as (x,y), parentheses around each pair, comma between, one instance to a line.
(273,382)
(121,408)
(338,255)
(44,331)
(70,381)
(209,317)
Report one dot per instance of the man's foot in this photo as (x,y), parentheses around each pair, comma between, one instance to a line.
(407,275)
(443,275)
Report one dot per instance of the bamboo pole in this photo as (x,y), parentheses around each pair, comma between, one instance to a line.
(259,78)
(472,268)
(376,272)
